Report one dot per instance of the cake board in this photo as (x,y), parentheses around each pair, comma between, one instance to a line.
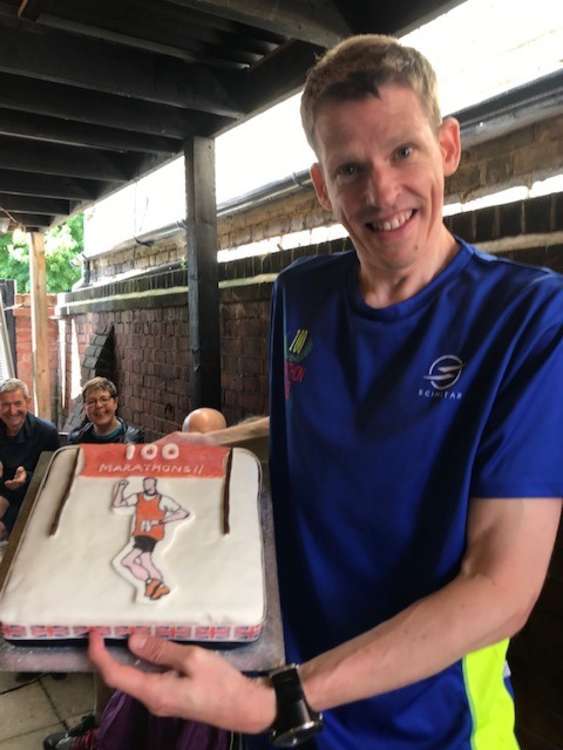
(259,656)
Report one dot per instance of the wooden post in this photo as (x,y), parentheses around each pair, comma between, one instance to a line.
(39,327)
(203,289)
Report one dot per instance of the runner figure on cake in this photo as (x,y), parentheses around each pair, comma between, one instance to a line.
(152,512)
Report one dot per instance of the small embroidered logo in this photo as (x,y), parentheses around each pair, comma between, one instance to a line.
(295,353)
(300,346)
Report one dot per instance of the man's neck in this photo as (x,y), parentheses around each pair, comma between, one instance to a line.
(11,432)
(382,288)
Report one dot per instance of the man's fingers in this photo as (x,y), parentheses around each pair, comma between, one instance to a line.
(18,480)
(184,437)
(163,653)
(139,684)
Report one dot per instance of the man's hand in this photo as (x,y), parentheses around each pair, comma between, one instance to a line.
(18,481)
(199,684)
(3,531)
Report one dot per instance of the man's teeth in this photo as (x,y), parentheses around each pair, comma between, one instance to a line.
(397,221)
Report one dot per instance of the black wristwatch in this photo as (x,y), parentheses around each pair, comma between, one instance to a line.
(295,720)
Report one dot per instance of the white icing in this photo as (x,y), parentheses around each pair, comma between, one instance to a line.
(74,577)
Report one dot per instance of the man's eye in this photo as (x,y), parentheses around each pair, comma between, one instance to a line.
(348,170)
(403,152)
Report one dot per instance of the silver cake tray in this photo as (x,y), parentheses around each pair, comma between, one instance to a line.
(262,655)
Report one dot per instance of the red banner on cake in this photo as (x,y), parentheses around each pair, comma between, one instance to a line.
(172,460)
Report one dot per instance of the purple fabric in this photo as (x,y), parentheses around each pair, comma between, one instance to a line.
(126,723)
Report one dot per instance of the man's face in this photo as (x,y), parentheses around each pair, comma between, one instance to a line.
(149,485)
(13,410)
(100,407)
(381,172)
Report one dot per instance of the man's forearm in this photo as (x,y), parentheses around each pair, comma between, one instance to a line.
(249,430)
(425,638)
(509,547)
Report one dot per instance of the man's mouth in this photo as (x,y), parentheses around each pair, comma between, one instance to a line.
(391,223)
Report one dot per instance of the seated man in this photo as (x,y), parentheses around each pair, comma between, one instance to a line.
(204,420)
(23,437)
(102,424)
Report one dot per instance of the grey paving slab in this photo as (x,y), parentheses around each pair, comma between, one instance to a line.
(30,740)
(26,710)
(8,681)
(71,696)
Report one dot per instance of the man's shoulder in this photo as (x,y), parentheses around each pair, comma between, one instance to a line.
(518,282)
(41,426)
(517,272)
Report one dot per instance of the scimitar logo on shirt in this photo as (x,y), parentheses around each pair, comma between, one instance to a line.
(442,375)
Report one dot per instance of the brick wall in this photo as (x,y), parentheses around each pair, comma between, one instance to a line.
(153,360)
(518,158)
(24,362)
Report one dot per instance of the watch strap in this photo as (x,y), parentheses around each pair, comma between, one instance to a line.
(295,721)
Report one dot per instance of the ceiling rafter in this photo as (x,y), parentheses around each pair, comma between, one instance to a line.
(55,130)
(56,100)
(108,68)
(70,161)
(316,21)
(47,186)
(27,204)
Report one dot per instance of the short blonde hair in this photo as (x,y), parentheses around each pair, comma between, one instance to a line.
(358,66)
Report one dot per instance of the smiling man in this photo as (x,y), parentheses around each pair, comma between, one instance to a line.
(416,455)
(23,437)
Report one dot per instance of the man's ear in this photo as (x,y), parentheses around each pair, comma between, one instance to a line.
(320,187)
(449,138)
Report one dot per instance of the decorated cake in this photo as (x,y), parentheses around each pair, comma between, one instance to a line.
(162,539)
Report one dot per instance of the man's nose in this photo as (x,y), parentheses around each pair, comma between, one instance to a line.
(383,187)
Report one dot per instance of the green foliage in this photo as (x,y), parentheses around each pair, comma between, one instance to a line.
(63,245)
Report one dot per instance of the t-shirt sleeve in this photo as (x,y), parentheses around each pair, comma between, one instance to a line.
(520,453)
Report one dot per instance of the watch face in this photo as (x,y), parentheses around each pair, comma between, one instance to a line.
(296,735)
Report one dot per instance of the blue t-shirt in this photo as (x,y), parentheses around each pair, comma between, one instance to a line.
(384,423)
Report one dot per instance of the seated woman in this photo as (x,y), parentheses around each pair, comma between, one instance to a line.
(102,424)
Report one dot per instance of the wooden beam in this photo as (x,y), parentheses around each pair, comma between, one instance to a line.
(279,75)
(395,19)
(26,204)
(67,161)
(143,27)
(203,288)
(32,220)
(315,21)
(70,103)
(39,327)
(55,130)
(88,64)
(8,292)
(45,186)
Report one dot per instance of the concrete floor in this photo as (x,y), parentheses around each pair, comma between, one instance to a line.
(31,710)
